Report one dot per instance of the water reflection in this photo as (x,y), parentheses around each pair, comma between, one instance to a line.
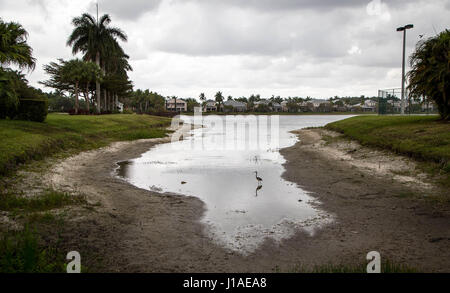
(241,213)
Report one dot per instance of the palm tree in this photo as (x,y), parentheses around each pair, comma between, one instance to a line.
(430,72)
(13,46)
(219,98)
(91,73)
(95,39)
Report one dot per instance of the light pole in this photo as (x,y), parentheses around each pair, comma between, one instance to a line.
(403,29)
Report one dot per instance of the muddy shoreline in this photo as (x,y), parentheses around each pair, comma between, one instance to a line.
(135,230)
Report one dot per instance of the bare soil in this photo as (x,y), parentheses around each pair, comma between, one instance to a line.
(134,230)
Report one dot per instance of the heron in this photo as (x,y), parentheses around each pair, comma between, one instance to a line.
(258,178)
(257,188)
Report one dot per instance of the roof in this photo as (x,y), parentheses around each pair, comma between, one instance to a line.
(234,103)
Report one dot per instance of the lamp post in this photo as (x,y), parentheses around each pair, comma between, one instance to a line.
(403,29)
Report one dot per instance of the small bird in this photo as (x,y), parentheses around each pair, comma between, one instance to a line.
(258,178)
(420,36)
(257,188)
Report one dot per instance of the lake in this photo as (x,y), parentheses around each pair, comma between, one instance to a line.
(217,164)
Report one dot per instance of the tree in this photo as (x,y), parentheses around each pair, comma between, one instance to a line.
(69,75)
(9,98)
(96,39)
(430,72)
(219,99)
(14,50)
(13,46)
(191,104)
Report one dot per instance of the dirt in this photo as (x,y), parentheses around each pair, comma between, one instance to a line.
(133,230)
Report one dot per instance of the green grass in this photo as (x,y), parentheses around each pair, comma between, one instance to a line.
(22,141)
(425,138)
(49,199)
(36,247)
(22,252)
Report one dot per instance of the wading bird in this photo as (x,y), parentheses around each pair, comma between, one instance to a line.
(257,188)
(258,178)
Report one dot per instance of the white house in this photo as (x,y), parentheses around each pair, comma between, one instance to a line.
(180,106)
(210,105)
(369,106)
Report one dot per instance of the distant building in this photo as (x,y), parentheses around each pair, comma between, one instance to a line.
(274,106)
(369,106)
(180,106)
(237,106)
(119,107)
(209,106)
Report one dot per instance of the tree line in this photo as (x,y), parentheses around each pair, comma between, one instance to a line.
(101,75)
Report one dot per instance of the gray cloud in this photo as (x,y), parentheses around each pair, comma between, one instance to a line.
(304,47)
(130,10)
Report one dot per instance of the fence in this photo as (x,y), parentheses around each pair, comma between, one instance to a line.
(389,102)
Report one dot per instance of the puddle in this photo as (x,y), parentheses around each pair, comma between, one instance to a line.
(240,212)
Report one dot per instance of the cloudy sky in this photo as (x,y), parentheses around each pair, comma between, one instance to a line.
(286,47)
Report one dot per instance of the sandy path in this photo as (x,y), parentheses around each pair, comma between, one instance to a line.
(135,230)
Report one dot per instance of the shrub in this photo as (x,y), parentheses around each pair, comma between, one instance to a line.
(32,109)
(127,111)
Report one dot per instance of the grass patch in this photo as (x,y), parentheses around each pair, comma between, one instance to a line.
(23,141)
(425,138)
(21,251)
(49,199)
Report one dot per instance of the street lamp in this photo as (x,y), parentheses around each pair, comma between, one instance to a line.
(403,29)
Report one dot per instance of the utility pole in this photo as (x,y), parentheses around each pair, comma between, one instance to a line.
(403,29)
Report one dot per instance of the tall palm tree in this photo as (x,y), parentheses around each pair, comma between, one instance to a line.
(13,46)
(95,38)
(219,98)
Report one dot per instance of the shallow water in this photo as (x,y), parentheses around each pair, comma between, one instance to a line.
(217,165)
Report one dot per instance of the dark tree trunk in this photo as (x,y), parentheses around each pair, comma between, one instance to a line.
(86,97)
(97,83)
(76,97)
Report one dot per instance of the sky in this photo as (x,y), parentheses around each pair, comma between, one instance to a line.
(241,47)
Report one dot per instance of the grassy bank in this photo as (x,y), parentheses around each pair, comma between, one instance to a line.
(23,140)
(424,138)
(24,249)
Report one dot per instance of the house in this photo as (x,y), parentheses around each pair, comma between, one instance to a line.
(274,106)
(235,105)
(284,106)
(369,106)
(119,107)
(180,106)
(317,102)
(210,105)
(395,104)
